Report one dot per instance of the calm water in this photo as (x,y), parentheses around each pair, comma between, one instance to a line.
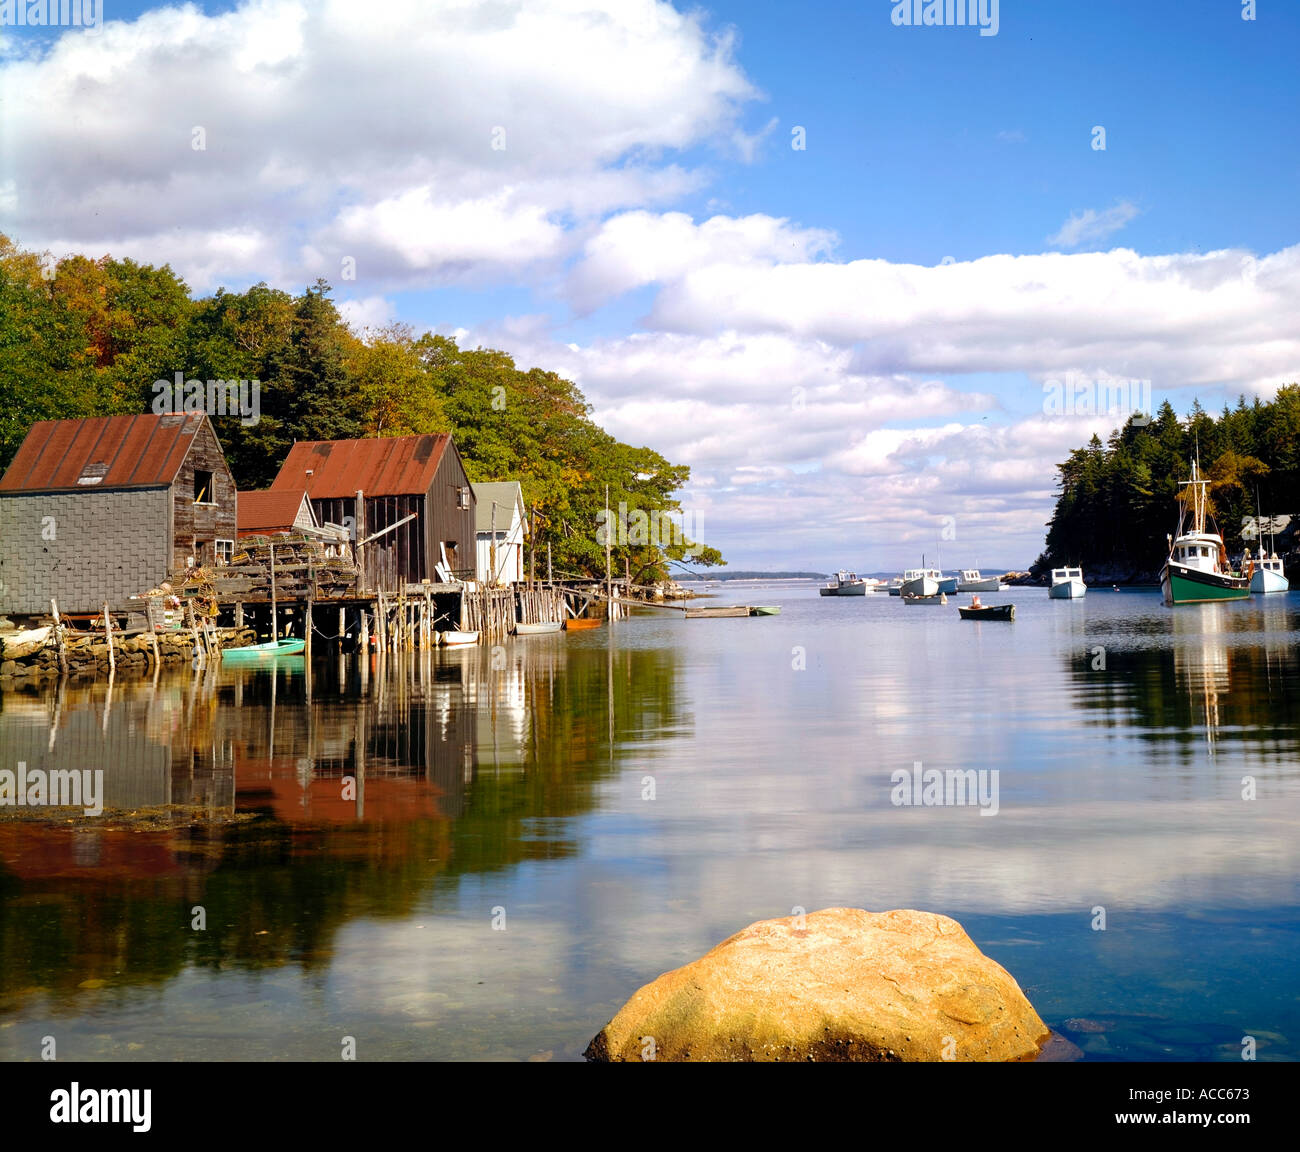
(509,790)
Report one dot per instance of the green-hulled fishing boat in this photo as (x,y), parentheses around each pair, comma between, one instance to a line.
(1197,569)
(267,651)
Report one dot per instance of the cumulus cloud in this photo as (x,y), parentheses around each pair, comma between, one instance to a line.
(480,128)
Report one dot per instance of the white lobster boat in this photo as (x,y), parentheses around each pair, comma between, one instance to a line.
(1269,576)
(972,581)
(1067,584)
(921,582)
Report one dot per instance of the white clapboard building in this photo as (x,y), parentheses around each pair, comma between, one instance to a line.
(500,528)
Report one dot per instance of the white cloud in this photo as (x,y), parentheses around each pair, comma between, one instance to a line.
(328,126)
(1091,226)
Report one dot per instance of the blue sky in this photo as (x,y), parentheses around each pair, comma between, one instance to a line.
(847,342)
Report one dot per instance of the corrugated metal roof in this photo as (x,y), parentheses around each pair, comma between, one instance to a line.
(267,509)
(392,466)
(142,451)
(507,495)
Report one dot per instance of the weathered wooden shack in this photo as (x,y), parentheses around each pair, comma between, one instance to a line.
(95,511)
(406,500)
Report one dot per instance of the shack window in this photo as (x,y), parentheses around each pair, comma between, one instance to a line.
(462,498)
(203,487)
(225,550)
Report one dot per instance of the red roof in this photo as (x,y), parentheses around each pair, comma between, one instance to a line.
(267,509)
(393,466)
(144,451)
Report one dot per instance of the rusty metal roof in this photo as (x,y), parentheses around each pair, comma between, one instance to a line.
(267,509)
(144,451)
(391,466)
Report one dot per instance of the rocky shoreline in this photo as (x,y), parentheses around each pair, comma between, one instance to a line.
(87,654)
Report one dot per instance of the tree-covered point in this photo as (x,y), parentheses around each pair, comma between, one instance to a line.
(1119,501)
(82,337)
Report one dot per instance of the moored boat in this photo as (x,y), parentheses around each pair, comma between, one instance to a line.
(286,646)
(765,610)
(921,582)
(1269,575)
(844,584)
(1197,568)
(543,629)
(979,611)
(452,639)
(1067,584)
(935,598)
(579,623)
(972,581)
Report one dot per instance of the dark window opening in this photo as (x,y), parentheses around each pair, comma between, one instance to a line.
(203,488)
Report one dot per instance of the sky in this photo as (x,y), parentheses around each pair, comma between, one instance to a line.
(872,279)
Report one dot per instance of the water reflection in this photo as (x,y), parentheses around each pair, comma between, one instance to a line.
(318,796)
(1204,676)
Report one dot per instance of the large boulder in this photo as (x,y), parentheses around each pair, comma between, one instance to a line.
(839,984)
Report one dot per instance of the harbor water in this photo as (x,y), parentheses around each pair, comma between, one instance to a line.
(482,853)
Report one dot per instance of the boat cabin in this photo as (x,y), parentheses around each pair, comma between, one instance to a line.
(971,576)
(1268,564)
(1061,575)
(1199,550)
(918,573)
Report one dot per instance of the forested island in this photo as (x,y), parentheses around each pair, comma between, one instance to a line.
(1118,501)
(84,337)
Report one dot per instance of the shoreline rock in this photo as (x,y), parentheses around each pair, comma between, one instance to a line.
(839,984)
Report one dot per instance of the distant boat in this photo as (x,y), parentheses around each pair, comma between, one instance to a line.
(844,584)
(977,611)
(543,629)
(1269,575)
(1067,584)
(972,581)
(267,651)
(1197,569)
(457,639)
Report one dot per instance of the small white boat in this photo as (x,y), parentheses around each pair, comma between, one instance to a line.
(1067,584)
(1269,576)
(844,584)
(972,581)
(543,629)
(457,639)
(937,598)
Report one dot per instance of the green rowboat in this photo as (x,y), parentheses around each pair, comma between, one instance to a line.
(267,651)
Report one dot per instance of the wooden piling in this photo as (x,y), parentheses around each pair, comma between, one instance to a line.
(59,646)
(306,627)
(274,634)
(108,639)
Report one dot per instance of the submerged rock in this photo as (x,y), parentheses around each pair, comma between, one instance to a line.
(839,984)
